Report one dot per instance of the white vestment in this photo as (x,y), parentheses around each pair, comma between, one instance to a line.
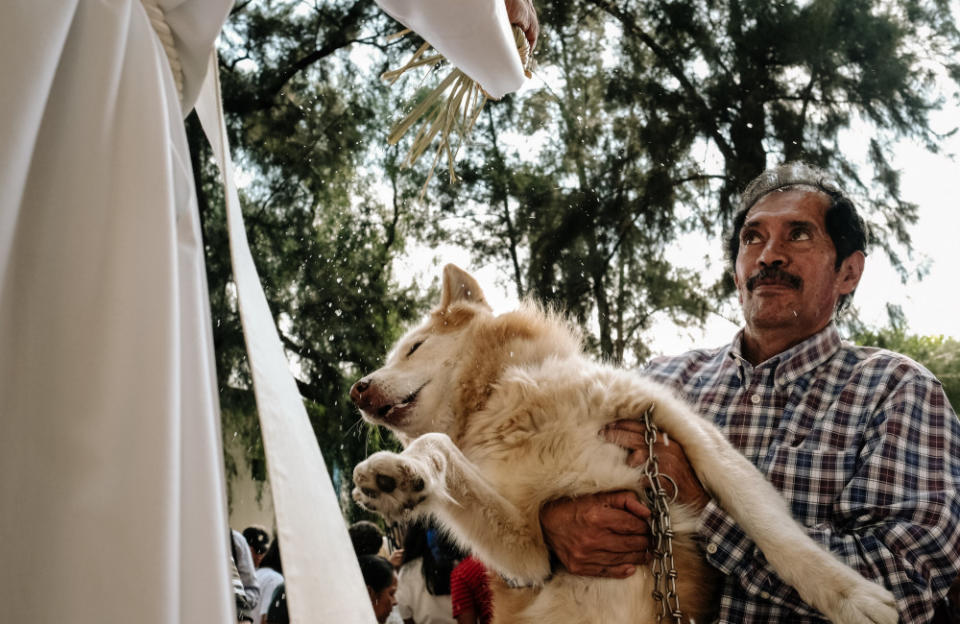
(111,472)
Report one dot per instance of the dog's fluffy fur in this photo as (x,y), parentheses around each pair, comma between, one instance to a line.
(501,414)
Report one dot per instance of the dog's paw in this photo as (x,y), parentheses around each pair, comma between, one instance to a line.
(390,484)
(864,602)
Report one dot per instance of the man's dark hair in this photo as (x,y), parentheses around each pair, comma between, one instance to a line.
(844,225)
(367,537)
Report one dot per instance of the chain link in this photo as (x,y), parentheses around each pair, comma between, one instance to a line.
(664,589)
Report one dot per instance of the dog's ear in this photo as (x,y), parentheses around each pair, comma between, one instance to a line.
(458,285)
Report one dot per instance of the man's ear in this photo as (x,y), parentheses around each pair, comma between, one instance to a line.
(458,285)
(851,270)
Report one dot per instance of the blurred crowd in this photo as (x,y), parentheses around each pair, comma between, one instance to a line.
(414,575)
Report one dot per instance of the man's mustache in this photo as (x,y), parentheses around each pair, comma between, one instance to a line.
(773,275)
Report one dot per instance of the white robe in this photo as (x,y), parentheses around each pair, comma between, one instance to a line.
(112,503)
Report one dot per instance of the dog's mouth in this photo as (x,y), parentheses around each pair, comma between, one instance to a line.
(395,413)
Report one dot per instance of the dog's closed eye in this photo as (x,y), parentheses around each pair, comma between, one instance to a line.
(415,346)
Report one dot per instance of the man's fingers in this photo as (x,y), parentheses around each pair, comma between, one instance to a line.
(633,505)
(625,545)
(605,571)
(522,14)
(622,512)
(608,558)
(626,500)
(611,527)
(637,458)
(627,425)
(603,534)
(627,439)
(532,31)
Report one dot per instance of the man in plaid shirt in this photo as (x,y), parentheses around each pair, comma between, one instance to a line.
(861,442)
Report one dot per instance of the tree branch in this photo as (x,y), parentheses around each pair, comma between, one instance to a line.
(339,38)
(707,115)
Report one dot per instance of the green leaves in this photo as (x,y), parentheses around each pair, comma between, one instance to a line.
(939,354)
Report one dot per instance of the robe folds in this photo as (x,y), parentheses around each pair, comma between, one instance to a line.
(112,503)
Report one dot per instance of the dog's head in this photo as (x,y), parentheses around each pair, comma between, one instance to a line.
(416,390)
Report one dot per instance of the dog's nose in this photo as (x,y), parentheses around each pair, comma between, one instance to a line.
(356,392)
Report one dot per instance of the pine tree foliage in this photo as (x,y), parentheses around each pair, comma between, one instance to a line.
(656,114)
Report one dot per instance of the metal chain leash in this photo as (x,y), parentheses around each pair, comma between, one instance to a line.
(664,590)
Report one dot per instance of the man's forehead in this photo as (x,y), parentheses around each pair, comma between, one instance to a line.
(796,205)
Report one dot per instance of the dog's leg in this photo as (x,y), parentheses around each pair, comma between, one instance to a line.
(821,580)
(433,476)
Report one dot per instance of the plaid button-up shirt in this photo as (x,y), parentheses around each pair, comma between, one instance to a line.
(863,445)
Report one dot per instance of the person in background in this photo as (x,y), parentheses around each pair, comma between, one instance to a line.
(259,540)
(470,593)
(248,597)
(368,539)
(423,590)
(269,577)
(861,442)
(241,603)
(277,610)
(381,581)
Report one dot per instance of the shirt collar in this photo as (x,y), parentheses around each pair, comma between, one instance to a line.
(795,361)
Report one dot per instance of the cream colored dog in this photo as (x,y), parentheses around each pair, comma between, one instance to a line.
(501,414)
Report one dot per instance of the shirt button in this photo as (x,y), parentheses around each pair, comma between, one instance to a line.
(765,595)
(755,399)
(712,548)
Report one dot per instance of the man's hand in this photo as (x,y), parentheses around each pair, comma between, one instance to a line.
(671,461)
(521,13)
(602,534)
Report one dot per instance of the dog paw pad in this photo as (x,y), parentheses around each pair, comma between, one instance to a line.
(386,483)
(397,483)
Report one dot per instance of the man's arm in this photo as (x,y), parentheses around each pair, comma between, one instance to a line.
(897,520)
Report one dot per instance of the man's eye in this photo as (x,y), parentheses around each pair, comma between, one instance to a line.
(415,346)
(748,238)
(801,234)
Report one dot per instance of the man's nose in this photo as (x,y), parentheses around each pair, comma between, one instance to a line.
(772,254)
